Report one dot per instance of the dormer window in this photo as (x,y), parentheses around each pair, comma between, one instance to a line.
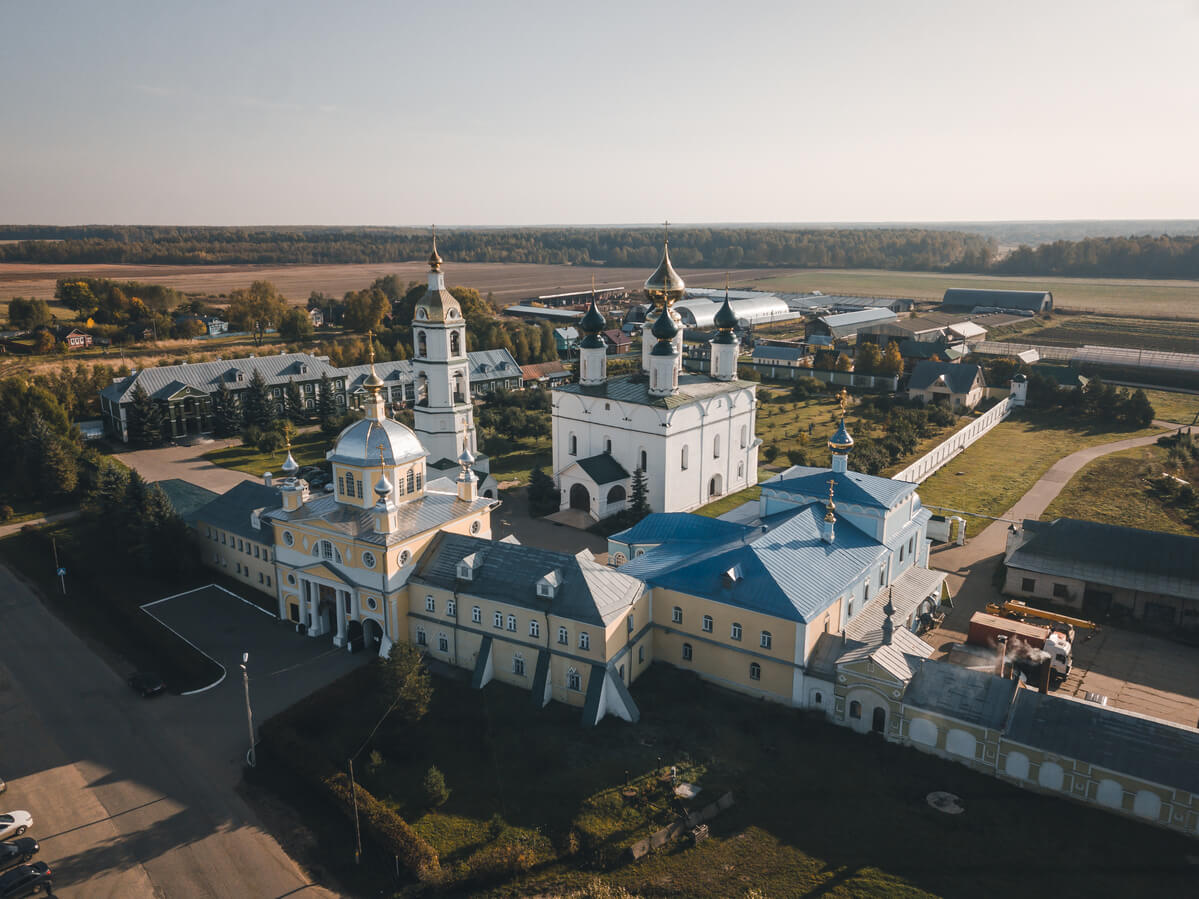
(547,586)
(465,572)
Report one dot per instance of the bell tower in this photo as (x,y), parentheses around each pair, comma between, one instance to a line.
(443,412)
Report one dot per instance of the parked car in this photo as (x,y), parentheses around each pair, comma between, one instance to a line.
(17,852)
(13,824)
(26,880)
(147,683)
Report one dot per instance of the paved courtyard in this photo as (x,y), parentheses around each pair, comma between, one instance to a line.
(186,462)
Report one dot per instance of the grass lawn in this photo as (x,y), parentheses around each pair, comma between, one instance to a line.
(1113,490)
(1127,296)
(1109,330)
(993,473)
(1169,405)
(308,448)
(819,810)
(525,456)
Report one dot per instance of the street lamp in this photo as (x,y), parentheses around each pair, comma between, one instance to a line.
(245,678)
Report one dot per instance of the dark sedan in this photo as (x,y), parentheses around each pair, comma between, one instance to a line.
(17,852)
(26,880)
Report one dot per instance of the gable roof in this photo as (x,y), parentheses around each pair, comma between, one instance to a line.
(535,371)
(970,298)
(603,469)
(785,569)
(975,697)
(617,337)
(783,353)
(847,323)
(589,592)
(851,487)
(959,377)
(231,510)
(161,382)
(1111,554)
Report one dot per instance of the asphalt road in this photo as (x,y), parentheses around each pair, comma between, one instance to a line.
(132,797)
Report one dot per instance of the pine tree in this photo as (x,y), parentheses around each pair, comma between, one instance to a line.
(257,408)
(293,403)
(226,412)
(543,495)
(639,501)
(325,409)
(145,419)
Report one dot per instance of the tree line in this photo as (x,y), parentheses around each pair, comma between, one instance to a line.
(900,248)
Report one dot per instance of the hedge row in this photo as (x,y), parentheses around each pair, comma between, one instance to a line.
(381,824)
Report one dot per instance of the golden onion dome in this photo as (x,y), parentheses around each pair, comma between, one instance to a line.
(665,279)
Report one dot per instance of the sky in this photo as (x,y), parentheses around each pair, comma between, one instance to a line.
(530,112)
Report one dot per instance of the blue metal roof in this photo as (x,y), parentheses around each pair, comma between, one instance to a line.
(786,353)
(786,570)
(852,487)
(663,526)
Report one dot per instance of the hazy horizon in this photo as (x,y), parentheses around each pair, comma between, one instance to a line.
(766,113)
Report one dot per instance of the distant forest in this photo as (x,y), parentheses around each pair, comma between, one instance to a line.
(911,249)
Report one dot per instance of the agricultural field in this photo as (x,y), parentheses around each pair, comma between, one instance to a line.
(1115,490)
(1094,330)
(1131,296)
(535,806)
(989,476)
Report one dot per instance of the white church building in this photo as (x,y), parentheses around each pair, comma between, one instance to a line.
(692,435)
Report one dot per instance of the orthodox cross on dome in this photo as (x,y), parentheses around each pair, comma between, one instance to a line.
(435,257)
(379,447)
(830,506)
(843,398)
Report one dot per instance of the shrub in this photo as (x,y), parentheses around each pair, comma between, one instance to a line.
(797,456)
(436,792)
(770,452)
(6,513)
(270,441)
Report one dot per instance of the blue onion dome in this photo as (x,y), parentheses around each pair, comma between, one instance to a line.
(725,322)
(665,279)
(665,330)
(841,441)
(591,325)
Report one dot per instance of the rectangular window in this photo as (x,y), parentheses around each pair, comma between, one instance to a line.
(640,653)
(261,577)
(239,567)
(451,607)
(1028,585)
(563,637)
(686,652)
(443,643)
(630,624)
(498,620)
(341,484)
(476,615)
(911,544)
(256,556)
(293,611)
(1060,591)
(534,629)
(518,666)
(882,577)
(584,641)
(420,637)
(512,623)
(430,604)
(901,553)
(676,616)
(268,580)
(222,538)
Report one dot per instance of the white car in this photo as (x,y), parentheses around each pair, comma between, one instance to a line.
(13,824)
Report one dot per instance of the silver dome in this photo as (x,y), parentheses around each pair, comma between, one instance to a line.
(359,444)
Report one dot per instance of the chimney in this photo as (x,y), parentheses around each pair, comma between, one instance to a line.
(1045,669)
(1000,652)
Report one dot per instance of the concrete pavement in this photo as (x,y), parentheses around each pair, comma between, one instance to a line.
(132,797)
(187,463)
(9,529)
(512,517)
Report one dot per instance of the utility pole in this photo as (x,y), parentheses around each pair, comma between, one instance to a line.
(245,677)
(58,569)
(357,829)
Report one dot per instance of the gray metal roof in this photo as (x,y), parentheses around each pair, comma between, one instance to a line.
(701,311)
(415,516)
(901,657)
(1149,561)
(164,381)
(635,389)
(1152,750)
(185,497)
(484,365)
(959,377)
(905,594)
(778,353)
(589,592)
(786,569)
(847,323)
(231,510)
(852,486)
(970,298)
(975,697)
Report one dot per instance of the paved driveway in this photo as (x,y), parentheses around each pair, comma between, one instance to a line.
(132,797)
(186,463)
(512,517)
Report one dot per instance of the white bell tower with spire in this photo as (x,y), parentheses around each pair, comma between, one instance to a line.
(443,412)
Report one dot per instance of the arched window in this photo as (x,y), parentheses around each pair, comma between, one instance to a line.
(573,681)
(683,458)
(608,445)
(459,387)
(422,345)
(676,615)
(573,445)
(686,652)
(644,462)
(421,639)
(708,624)
(743,436)
(411,481)
(735,631)
(879,722)
(716,447)
(455,344)
(855,709)
(326,550)
(443,643)
(518,665)
(766,640)
(755,671)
